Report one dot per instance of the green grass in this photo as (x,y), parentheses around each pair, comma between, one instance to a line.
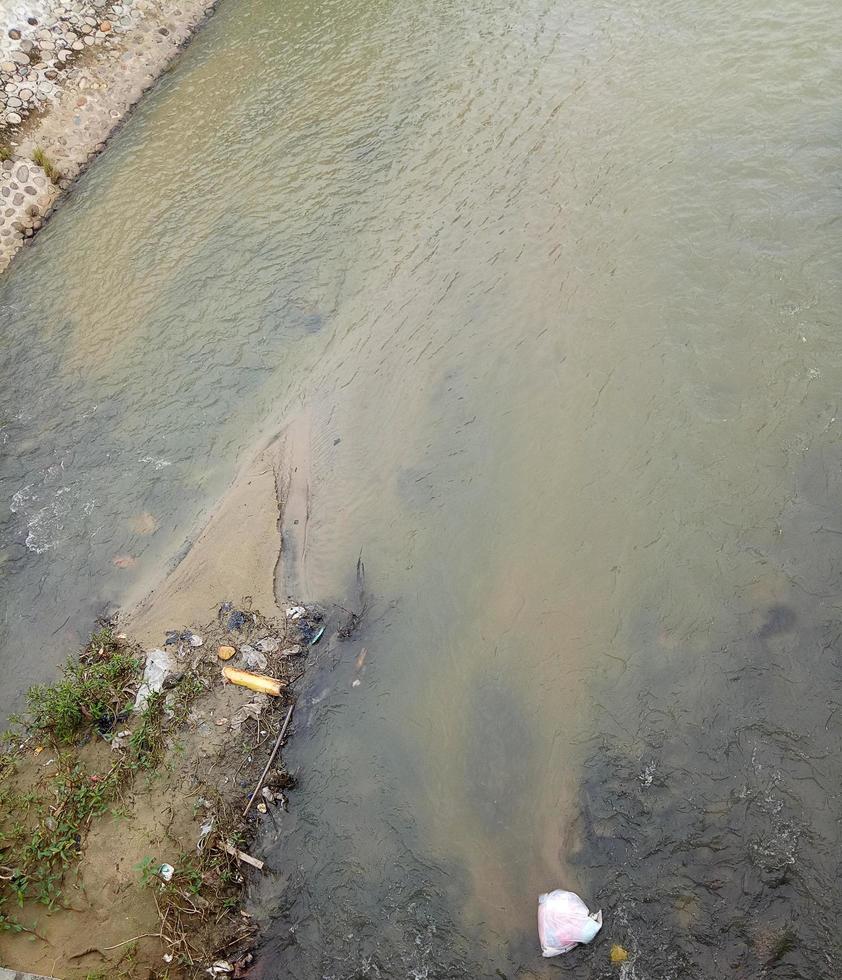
(42,827)
(96,689)
(40,158)
(5,153)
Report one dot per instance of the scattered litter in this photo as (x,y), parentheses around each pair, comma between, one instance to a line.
(204,830)
(268,645)
(225,653)
(250,710)
(121,739)
(242,856)
(237,620)
(161,671)
(220,722)
(360,661)
(320,632)
(182,636)
(221,968)
(268,795)
(254,682)
(254,660)
(166,871)
(295,612)
(564,922)
(290,651)
(262,807)
(618,954)
(168,957)
(356,682)
(39,749)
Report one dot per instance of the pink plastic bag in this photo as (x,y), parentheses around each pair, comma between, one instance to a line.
(564,921)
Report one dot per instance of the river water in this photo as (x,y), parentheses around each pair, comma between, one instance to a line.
(557,286)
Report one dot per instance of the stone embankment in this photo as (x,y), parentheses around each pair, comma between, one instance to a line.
(70,70)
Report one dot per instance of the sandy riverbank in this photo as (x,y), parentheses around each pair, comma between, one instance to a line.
(70,72)
(108,922)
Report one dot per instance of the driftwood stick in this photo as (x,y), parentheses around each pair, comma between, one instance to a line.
(242,856)
(278,741)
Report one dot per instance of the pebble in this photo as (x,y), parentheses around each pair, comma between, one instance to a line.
(105,26)
(13,119)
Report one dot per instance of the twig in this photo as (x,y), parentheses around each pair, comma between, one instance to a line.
(278,741)
(242,856)
(125,942)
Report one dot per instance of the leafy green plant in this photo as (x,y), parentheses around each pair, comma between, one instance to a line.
(94,688)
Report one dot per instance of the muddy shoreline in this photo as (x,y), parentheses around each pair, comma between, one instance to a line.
(70,74)
(249,551)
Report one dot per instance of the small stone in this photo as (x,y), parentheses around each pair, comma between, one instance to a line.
(32,21)
(13,102)
(39,181)
(37,224)
(78,46)
(27,46)
(14,34)
(105,26)
(19,58)
(29,189)
(5,191)
(25,94)
(51,73)
(13,119)
(23,174)
(225,653)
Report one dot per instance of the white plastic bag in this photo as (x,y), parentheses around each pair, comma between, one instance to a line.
(564,921)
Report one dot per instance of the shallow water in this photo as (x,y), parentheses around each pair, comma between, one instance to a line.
(557,287)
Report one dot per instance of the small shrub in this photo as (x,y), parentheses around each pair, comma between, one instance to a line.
(94,688)
(5,153)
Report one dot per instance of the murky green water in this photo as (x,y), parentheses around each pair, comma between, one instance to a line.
(559,285)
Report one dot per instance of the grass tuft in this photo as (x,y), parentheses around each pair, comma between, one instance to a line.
(40,158)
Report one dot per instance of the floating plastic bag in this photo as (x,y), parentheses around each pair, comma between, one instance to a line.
(564,922)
